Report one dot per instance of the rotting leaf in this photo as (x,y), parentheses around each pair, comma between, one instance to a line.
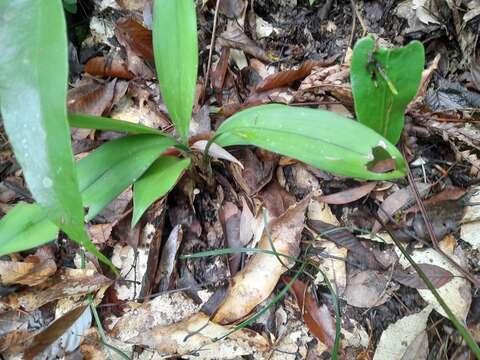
(409,277)
(349,195)
(198,332)
(138,38)
(316,317)
(255,282)
(92,99)
(167,261)
(70,282)
(287,77)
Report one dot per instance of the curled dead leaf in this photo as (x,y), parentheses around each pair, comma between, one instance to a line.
(257,280)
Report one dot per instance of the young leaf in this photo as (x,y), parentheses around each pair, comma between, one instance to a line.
(107,171)
(24,227)
(33,74)
(175,48)
(156,182)
(84,121)
(384,81)
(320,138)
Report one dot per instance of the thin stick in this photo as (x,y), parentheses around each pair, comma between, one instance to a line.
(212,44)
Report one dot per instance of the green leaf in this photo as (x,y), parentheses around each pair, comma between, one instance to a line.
(28,226)
(384,81)
(70,6)
(176,58)
(320,138)
(110,169)
(84,121)
(33,78)
(311,2)
(156,182)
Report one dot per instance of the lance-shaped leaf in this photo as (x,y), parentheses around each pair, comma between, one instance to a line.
(107,171)
(33,78)
(384,81)
(176,58)
(156,182)
(24,227)
(84,121)
(320,138)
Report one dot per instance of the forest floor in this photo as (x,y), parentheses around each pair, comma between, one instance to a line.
(355,278)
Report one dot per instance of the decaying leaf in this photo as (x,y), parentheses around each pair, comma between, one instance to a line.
(409,277)
(316,317)
(197,335)
(349,195)
(101,66)
(368,288)
(397,340)
(69,282)
(34,270)
(62,336)
(457,292)
(470,228)
(259,277)
(169,254)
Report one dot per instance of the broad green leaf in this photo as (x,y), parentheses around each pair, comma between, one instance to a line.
(33,78)
(176,58)
(155,183)
(320,138)
(384,81)
(311,2)
(84,121)
(110,169)
(24,227)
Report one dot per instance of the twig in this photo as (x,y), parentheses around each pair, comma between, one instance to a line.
(360,19)
(433,237)
(212,44)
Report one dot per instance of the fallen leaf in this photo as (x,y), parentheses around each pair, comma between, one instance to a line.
(409,277)
(287,77)
(99,233)
(457,292)
(396,342)
(62,336)
(276,199)
(259,277)
(229,216)
(348,196)
(34,270)
(198,333)
(92,99)
(134,35)
(367,288)
(218,74)
(234,37)
(66,283)
(104,67)
(396,201)
(167,260)
(316,317)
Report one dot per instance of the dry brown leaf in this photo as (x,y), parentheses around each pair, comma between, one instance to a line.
(34,270)
(287,77)
(167,260)
(92,99)
(349,195)
(229,216)
(99,233)
(367,288)
(234,37)
(100,66)
(316,317)
(69,282)
(409,277)
(257,280)
(137,37)
(197,335)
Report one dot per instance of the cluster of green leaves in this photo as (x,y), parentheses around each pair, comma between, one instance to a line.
(33,73)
